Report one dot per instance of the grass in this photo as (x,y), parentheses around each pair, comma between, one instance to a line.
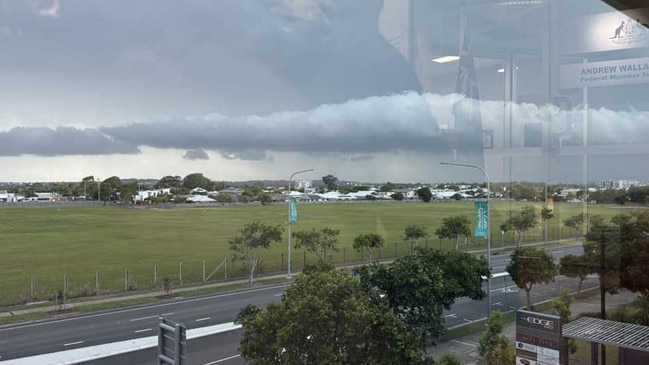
(22,317)
(42,245)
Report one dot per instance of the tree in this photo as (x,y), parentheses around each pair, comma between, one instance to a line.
(449,359)
(424,194)
(561,307)
(127,192)
(224,198)
(628,243)
(89,186)
(529,266)
(493,345)
(169,182)
(547,213)
(397,196)
(522,221)
(325,318)
(318,242)
(252,238)
(196,180)
(501,353)
(453,227)
(575,222)
(369,241)
(489,338)
(418,287)
(574,266)
(414,233)
(387,187)
(264,198)
(330,182)
(562,304)
(110,187)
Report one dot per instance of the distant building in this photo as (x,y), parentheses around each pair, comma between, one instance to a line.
(618,184)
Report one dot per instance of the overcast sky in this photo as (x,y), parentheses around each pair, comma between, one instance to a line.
(234,89)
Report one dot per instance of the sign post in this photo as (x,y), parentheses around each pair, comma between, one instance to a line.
(172,343)
(538,338)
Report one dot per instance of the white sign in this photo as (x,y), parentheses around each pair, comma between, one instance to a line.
(604,32)
(618,72)
(542,352)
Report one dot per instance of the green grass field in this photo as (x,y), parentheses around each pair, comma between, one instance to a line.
(39,245)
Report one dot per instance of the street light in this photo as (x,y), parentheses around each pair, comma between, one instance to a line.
(99,191)
(288,270)
(488,221)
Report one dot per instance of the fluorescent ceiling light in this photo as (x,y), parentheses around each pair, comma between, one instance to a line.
(501,70)
(446,59)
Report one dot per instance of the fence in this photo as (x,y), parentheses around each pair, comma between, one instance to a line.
(56,287)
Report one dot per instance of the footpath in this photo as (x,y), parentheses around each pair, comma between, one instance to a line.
(466,347)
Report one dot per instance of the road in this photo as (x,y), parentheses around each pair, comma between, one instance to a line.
(141,321)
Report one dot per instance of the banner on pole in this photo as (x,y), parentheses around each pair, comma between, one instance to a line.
(292,209)
(482,218)
(549,203)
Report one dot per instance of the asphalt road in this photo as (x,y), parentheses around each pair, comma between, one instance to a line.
(110,326)
(67,333)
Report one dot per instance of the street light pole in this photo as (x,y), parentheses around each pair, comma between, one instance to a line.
(488,222)
(288,223)
(99,191)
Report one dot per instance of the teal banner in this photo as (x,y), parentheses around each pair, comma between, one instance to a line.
(482,217)
(292,209)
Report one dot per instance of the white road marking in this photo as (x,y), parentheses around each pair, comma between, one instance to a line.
(465,343)
(468,320)
(142,318)
(203,319)
(221,360)
(167,314)
(500,304)
(73,343)
(143,330)
(452,315)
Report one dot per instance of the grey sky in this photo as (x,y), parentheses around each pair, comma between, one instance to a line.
(235,89)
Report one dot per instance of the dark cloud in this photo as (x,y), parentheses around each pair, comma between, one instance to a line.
(247,155)
(61,141)
(357,129)
(378,124)
(196,154)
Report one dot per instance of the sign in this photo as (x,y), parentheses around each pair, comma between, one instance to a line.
(292,209)
(609,31)
(482,219)
(618,72)
(172,343)
(538,338)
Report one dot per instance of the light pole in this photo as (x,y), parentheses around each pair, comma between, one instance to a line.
(488,222)
(288,223)
(99,191)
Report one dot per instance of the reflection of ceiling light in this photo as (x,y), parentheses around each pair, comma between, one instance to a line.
(520,2)
(501,70)
(446,59)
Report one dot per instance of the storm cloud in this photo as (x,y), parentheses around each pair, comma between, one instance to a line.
(407,122)
(43,141)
